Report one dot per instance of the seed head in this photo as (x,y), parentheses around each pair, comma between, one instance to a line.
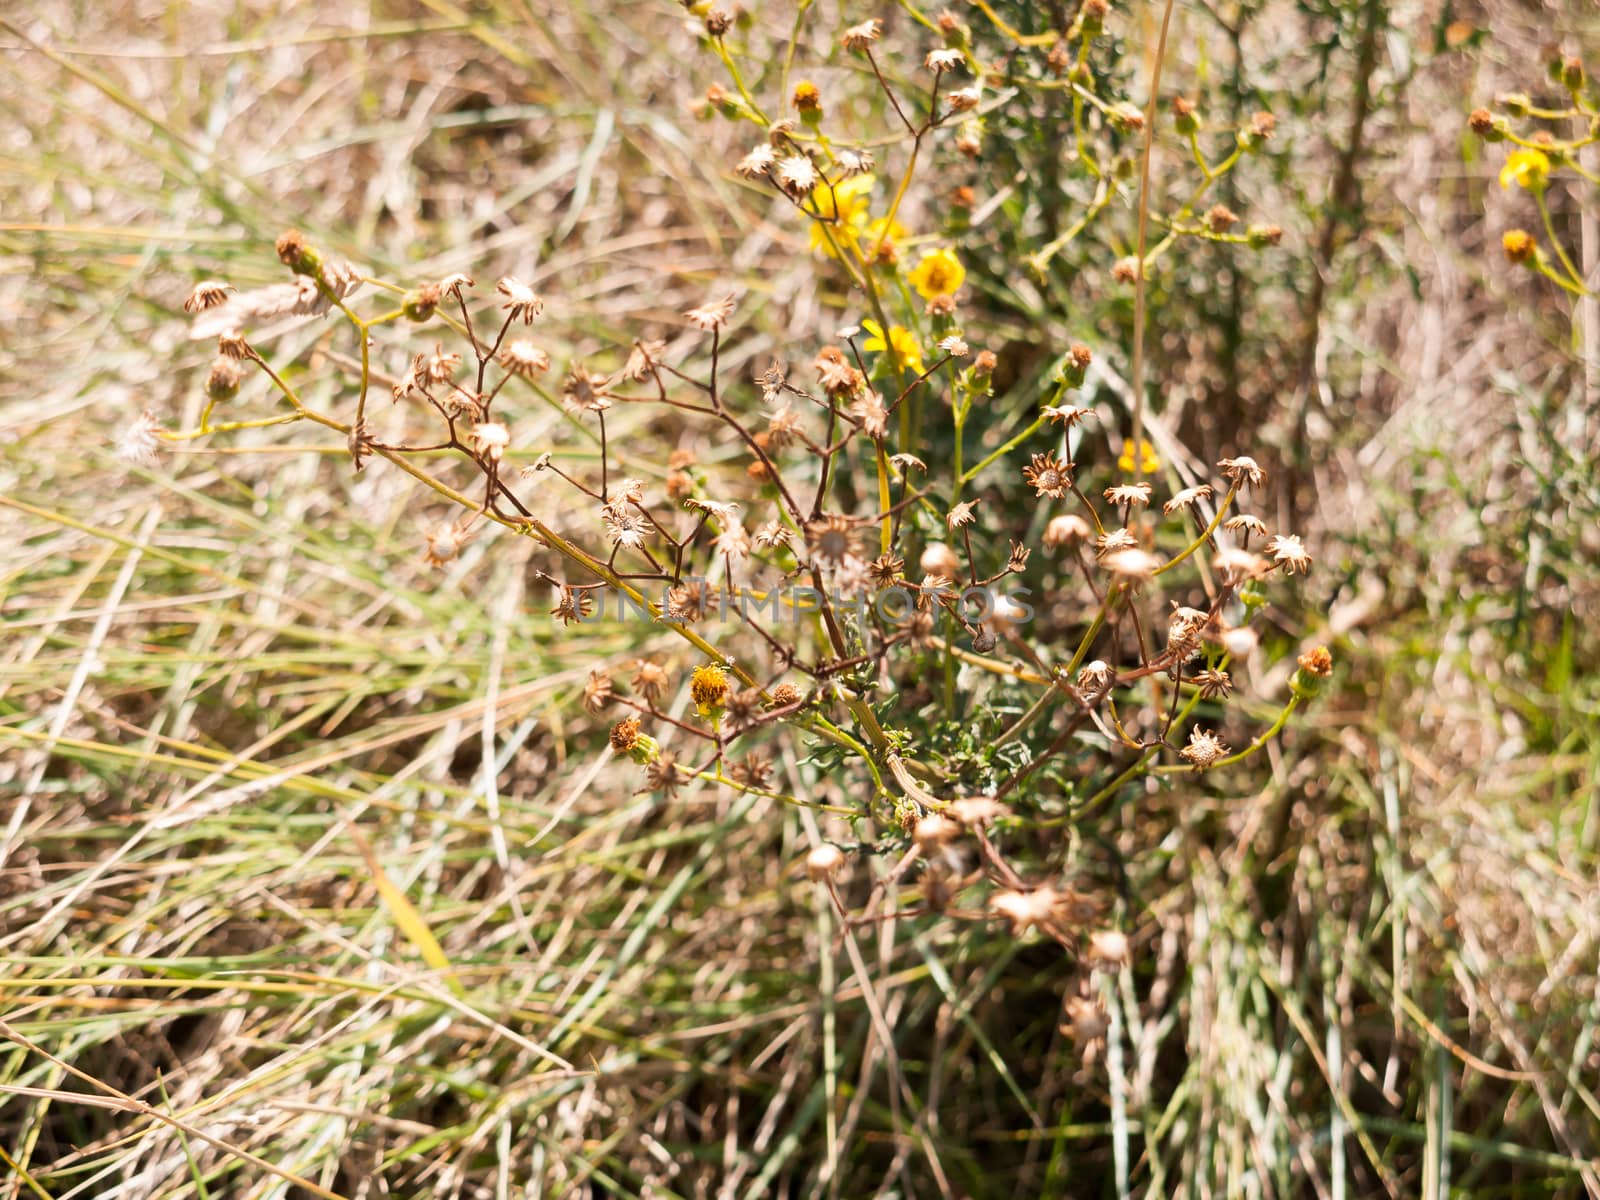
(1069,529)
(521,301)
(713,314)
(1047,475)
(1108,950)
(1243,471)
(939,559)
(597,692)
(523,358)
(208,293)
(1204,748)
(649,680)
(1288,551)
(824,863)
(860,37)
(625,735)
(664,775)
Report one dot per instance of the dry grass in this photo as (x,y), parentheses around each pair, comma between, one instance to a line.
(239,716)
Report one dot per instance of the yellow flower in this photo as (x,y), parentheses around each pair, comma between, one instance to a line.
(938,274)
(708,688)
(1148,463)
(841,210)
(1518,245)
(905,345)
(1526,168)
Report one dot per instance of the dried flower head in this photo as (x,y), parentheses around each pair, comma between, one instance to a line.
(522,358)
(1108,950)
(1127,495)
(583,391)
(940,560)
(1289,552)
(522,303)
(944,59)
(713,314)
(1132,565)
(1204,748)
(649,680)
(824,862)
(140,439)
(1069,529)
(597,692)
(1187,498)
(1243,471)
(491,439)
(625,735)
(1214,684)
(1048,475)
(1317,661)
(832,538)
(208,293)
(1026,910)
(962,514)
(1094,677)
(664,775)
(860,37)
(1247,525)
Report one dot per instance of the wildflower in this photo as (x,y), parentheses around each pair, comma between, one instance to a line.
(1526,168)
(664,775)
(1242,471)
(1187,498)
(629,491)
(625,735)
(824,862)
(860,37)
(522,358)
(757,162)
(1518,245)
(808,99)
(1108,950)
(1132,565)
(1066,530)
(904,464)
(1017,560)
(1290,552)
(208,293)
(954,346)
(708,688)
(855,162)
(492,439)
(1148,463)
(688,602)
(625,528)
(713,314)
(939,61)
(868,408)
(840,208)
(900,338)
(597,692)
(984,364)
(138,443)
(1126,495)
(962,514)
(1204,748)
(1048,475)
(1214,684)
(939,273)
(451,285)
(649,680)
(832,538)
(522,302)
(1317,661)
(718,22)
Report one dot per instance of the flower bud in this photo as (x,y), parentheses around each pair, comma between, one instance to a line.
(222,383)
